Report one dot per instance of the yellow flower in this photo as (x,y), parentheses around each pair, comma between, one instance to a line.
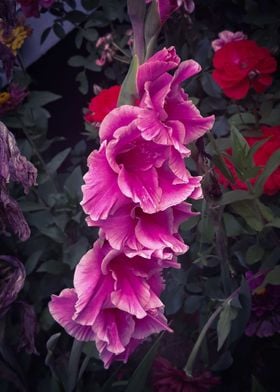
(4,97)
(15,39)
(260,290)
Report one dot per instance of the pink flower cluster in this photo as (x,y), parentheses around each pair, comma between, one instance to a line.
(135,191)
(226,37)
(107,50)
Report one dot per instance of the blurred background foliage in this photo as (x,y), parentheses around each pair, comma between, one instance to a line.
(239,227)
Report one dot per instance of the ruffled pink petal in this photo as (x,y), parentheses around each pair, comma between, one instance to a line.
(161,62)
(186,112)
(132,293)
(143,188)
(101,192)
(155,231)
(186,70)
(62,308)
(156,93)
(154,322)
(92,287)
(108,357)
(177,166)
(115,328)
(119,229)
(117,118)
(135,154)
(175,190)
(181,213)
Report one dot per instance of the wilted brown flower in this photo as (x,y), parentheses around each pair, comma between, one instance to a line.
(13,167)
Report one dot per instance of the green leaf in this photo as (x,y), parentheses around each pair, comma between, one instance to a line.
(57,161)
(271,165)
(247,210)
(41,98)
(273,277)
(227,315)
(274,223)
(77,61)
(138,379)
(254,254)
(235,196)
(74,182)
(193,303)
(53,267)
(210,86)
(113,9)
(219,160)
(59,30)
(256,386)
(265,211)
(90,4)
(79,39)
(128,90)
(76,16)
(33,260)
(239,119)
(189,223)
(90,34)
(232,225)
(74,252)
(82,79)
(51,345)
(45,34)
(273,118)
(240,147)
(30,206)
(54,233)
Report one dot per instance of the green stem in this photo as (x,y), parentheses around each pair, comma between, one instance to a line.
(221,246)
(191,360)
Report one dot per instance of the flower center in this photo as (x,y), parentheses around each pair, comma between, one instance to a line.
(254,74)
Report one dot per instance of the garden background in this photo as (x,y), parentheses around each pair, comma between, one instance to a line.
(229,277)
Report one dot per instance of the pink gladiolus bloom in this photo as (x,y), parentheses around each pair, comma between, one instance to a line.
(130,167)
(227,36)
(142,150)
(115,301)
(169,116)
(147,235)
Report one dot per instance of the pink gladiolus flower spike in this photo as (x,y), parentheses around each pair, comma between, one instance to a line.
(135,191)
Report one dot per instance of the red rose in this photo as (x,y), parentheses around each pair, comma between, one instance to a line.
(241,65)
(261,156)
(102,104)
